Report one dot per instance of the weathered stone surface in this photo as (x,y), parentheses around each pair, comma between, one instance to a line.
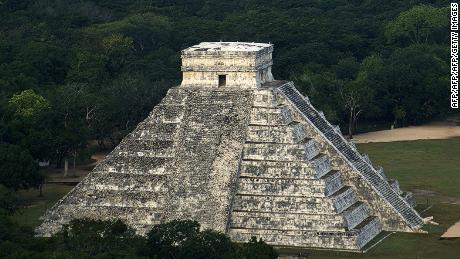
(243,154)
(190,174)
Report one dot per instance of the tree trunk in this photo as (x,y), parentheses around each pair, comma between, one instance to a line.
(59,162)
(350,125)
(66,167)
(355,124)
(74,173)
(355,120)
(101,143)
(41,190)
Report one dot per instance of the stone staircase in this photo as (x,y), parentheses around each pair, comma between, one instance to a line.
(401,206)
(210,140)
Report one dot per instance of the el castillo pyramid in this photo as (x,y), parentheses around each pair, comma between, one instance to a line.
(244,154)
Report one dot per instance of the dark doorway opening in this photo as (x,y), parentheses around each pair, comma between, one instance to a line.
(222,80)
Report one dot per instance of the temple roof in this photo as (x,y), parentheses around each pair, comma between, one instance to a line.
(228,47)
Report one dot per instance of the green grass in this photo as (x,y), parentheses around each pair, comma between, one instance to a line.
(36,206)
(423,164)
(431,165)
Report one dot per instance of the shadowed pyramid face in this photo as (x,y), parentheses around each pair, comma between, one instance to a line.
(227,64)
(243,154)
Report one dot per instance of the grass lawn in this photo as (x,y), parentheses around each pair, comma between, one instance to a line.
(36,206)
(432,166)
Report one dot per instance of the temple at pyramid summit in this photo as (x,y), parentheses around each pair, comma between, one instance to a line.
(244,154)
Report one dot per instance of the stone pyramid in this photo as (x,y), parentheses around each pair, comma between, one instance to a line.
(244,154)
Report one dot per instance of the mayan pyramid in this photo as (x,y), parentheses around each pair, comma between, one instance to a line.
(244,154)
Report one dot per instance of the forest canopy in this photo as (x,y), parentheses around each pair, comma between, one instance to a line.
(74,71)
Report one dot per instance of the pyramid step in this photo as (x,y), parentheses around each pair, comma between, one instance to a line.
(332,181)
(299,132)
(355,214)
(153,198)
(256,203)
(343,198)
(167,113)
(274,151)
(289,134)
(277,169)
(133,164)
(286,221)
(150,135)
(147,145)
(311,149)
(270,116)
(131,215)
(141,172)
(166,152)
(321,165)
(280,187)
(175,95)
(156,127)
(367,230)
(300,238)
(117,181)
(264,98)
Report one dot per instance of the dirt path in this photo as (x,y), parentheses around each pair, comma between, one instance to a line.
(430,131)
(453,231)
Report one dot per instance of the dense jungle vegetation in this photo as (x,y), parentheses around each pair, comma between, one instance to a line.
(76,71)
(73,71)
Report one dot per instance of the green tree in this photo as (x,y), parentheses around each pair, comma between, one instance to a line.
(256,249)
(88,238)
(399,114)
(418,24)
(183,239)
(88,67)
(28,105)
(321,86)
(73,109)
(168,240)
(18,170)
(26,123)
(347,68)
(9,201)
(208,244)
(356,95)
(119,50)
(414,79)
